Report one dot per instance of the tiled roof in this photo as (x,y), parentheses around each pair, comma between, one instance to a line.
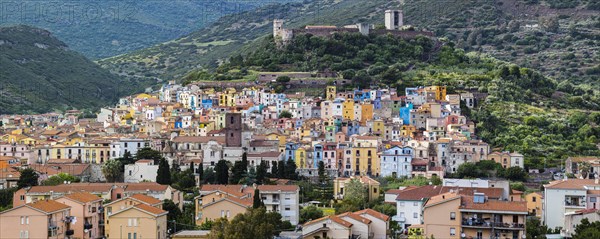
(47,206)
(570,184)
(73,187)
(150,209)
(332,218)
(83,197)
(494,205)
(145,199)
(271,188)
(355,217)
(373,213)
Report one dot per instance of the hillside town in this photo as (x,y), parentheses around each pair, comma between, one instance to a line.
(359,135)
(199,159)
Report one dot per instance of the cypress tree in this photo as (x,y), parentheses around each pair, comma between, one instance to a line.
(222,172)
(257,202)
(281,171)
(192,167)
(274,170)
(261,172)
(163,175)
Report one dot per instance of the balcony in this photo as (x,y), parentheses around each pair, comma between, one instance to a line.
(87,226)
(487,224)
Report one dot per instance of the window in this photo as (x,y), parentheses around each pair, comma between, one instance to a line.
(534,199)
(22,220)
(22,197)
(287,208)
(452,231)
(592,199)
(132,222)
(402,204)
(401,214)
(415,215)
(453,216)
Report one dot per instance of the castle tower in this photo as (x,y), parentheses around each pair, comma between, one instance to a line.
(277,28)
(394,19)
(233,129)
(331,93)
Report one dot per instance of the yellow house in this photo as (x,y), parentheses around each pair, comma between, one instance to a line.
(368,160)
(348,109)
(379,126)
(366,113)
(277,136)
(331,92)
(28,141)
(407,130)
(372,186)
(138,221)
(301,158)
(439,91)
(227,97)
(534,203)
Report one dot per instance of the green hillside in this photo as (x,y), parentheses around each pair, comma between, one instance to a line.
(540,34)
(208,46)
(38,73)
(100,29)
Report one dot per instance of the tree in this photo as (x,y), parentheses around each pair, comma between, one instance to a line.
(585,229)
(163,176)
(435,180)
(515,173)
(126,159)
(200,171)
(283,79)
(261,172)
(245,160)
(60,178)
(192,170)
(274,170)
(385,208)
(237,172)
(310,213)
(222,172)
(281,171)
(112,170)
(285,114)
(356,193)
(255,223)
(173,215)
(584,169)
(257,202)
(209,175)
(28,178)
(535,229)
(148,153)
(468,170)
(290,170)
(322,175)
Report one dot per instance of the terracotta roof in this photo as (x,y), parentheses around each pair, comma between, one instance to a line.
(193,139)
(586,211)
(355,217)
(83,197)
(145,199)
(265,154)
(570,184)
(150,209)
(48,206)
(73,187)
(493,205)
(145,186)
(235,190)
(419,193)
(441,198)
(271,188)
(373,213)
(332,218)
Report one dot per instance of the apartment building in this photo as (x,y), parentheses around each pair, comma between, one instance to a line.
(87,208)
(217,201)
(41,219)
(568,196)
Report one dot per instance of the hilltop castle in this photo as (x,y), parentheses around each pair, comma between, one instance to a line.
(393,25)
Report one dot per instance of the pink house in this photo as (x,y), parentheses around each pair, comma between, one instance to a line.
(41,219)
(86,209)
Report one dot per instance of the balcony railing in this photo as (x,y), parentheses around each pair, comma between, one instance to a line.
(485,224)
(87,226)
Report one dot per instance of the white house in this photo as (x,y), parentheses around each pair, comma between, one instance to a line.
(142,170)
(396,161)
(568,196)
(118,148)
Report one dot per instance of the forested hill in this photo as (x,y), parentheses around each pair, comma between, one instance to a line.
(39,73)
(523,110)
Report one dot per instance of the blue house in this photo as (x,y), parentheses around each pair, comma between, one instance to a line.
(207,103)
(317,155)
(405,113)
(290,151)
